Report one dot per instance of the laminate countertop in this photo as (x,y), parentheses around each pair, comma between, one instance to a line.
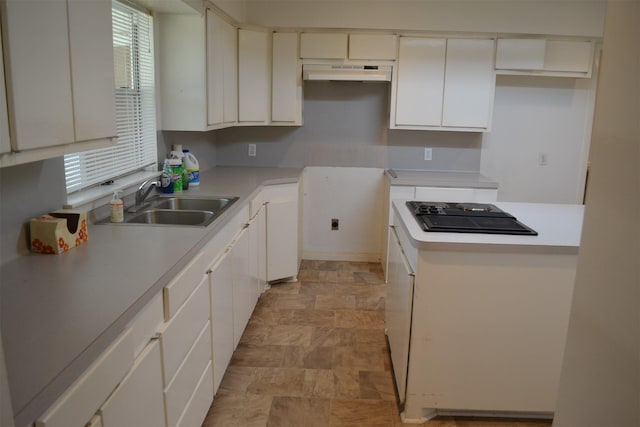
(59,312)
(418,178)
(559,228)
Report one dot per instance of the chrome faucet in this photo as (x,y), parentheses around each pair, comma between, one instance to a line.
(142,194)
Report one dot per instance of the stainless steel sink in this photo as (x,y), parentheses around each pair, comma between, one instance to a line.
(198,211)
(172,217)
(192,203)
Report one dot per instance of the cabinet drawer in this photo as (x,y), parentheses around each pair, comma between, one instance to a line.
(142,385)
(373,46)
(323,45)
(77,405)
(200,401)
(179,334)
(184,383)
(177,292)
(146,324)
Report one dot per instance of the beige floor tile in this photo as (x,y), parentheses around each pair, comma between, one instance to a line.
(333,384)
(287,335)
(364,357)
(331,336)
(277,382)
(360,413)
(298,412)
(317,288)
(235,410)
(335,302)
(377,385)
(308,357)
(310,318)
(293,301)
(285,288)
(360,319)
(236,379)
(258,355)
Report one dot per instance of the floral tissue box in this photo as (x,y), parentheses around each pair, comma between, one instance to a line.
(58,231)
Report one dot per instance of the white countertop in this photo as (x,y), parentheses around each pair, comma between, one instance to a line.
(558,226)
(59,312)
(417,178)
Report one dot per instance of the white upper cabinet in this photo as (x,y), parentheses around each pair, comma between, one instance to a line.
(469,83)
(420,82)
(286,80)
(570,58)
(443,84)
(198,72)
(323,45)
(59,72)
(373,46)
(222,72)
(254,77)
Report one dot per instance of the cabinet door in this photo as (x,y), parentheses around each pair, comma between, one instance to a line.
(398,311)
(323,45)
(373,46)
(468,92)
(38,73)
(253,76)
(230,71)
(243,289)
(91,45)
(282,239)
(286,83)
(420,82)
(138,401)
(221,283)
(222,79)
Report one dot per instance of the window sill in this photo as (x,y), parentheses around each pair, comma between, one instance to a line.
(96,197)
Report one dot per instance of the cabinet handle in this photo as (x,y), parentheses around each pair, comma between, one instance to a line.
(209,271)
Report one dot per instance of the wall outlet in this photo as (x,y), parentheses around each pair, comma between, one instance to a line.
(252,150)
(428,154)
(335,224)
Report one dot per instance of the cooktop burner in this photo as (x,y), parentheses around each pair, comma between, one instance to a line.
(455,217)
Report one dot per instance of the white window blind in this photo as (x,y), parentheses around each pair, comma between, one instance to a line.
(135,106)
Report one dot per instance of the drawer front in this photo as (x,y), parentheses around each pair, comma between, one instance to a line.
(179,334)
(143,385)
(79,403)
(198,406)
(177,292)
(224,237)
(185,382)
(146,324)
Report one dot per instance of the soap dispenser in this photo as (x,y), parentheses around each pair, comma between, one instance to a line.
(117,208)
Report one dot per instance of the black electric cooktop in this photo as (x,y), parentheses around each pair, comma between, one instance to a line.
(453,217)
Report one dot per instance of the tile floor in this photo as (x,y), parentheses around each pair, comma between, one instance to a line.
(314,354)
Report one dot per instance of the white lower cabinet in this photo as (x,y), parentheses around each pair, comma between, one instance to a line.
(243,292)
(221,282)
(183,386)
(282,239)
(137,401)
(398,309)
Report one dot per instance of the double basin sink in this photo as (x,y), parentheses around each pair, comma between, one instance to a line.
(177,210)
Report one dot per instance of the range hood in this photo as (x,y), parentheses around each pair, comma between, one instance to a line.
(357,73)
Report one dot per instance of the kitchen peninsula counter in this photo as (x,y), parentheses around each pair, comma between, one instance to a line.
(418,178)
(59,312)
(486,316)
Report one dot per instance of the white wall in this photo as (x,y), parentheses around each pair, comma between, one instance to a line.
(600,381)
(534,117)
(560,17)
(354,197)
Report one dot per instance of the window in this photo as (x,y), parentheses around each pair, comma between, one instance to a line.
(135,106)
